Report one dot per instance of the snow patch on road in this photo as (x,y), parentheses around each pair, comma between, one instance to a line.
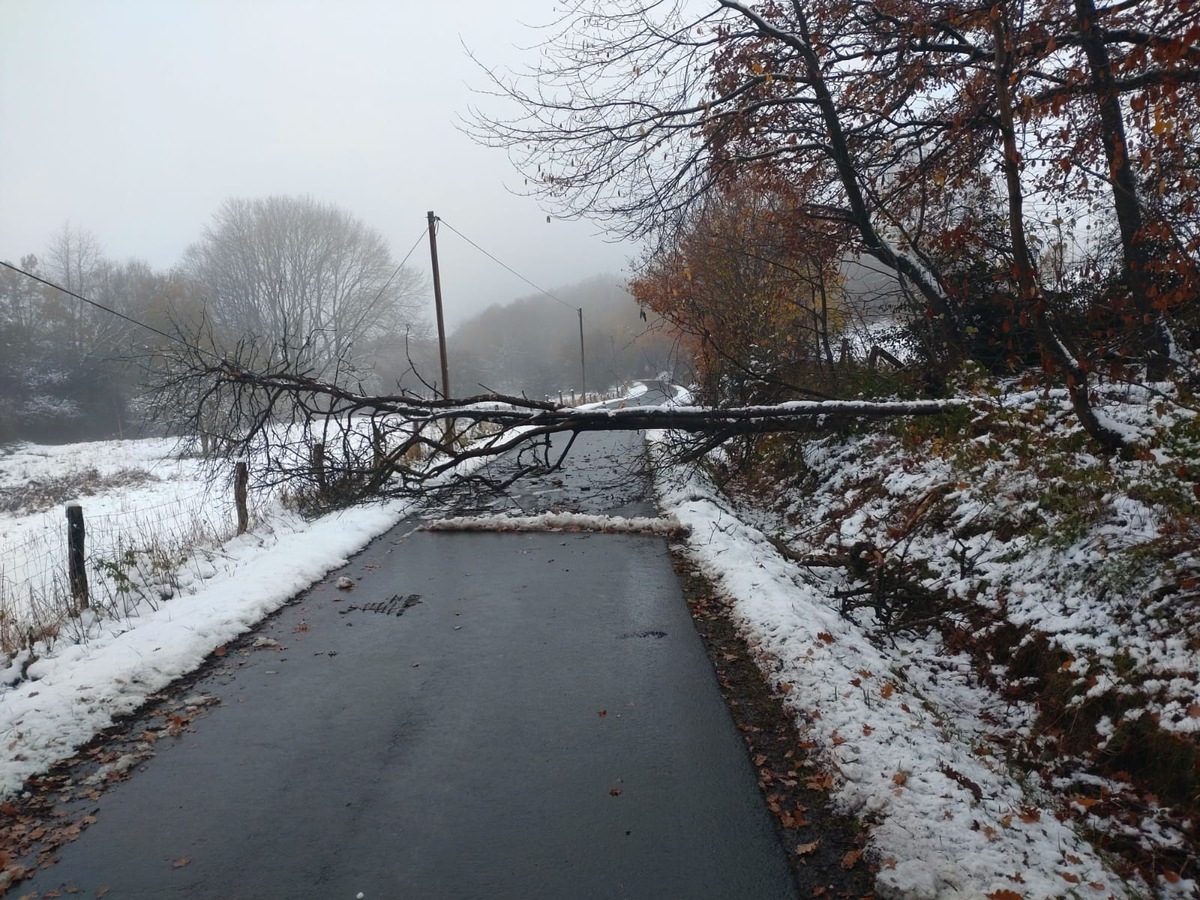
(560,521)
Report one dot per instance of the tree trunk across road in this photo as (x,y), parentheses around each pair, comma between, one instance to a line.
(480,716)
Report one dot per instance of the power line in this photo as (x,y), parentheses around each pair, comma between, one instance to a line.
(509,268)
(399,267)
(538,288)
(58,287)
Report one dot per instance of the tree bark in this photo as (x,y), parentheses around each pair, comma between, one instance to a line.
(848,174)
(1150,328)
(1050,345)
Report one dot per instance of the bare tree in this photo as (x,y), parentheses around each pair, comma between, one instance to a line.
(333,446)
(310,286)
(638,109)
(74,259)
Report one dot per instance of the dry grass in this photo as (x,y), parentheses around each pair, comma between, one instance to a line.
(135,561)
(40,495)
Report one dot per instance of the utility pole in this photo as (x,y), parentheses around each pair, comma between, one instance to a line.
(437,301)
(582,361)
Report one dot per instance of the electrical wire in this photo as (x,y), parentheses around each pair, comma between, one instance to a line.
(510,268)
(58,287)
(396,272)
(174,337)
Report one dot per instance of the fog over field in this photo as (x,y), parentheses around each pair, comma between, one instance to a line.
(136,120)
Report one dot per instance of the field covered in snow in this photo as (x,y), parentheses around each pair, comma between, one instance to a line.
(136,495)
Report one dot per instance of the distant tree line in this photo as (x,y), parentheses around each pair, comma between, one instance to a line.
(277,281)
(532,345)
(67,369)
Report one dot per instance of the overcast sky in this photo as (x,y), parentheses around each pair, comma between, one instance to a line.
(134,119)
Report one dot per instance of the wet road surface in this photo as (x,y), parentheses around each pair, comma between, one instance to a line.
(481,716)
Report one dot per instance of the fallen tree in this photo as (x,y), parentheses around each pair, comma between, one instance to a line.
(337,446)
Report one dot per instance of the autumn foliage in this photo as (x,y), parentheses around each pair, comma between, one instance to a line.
(1026,171)
(753,294)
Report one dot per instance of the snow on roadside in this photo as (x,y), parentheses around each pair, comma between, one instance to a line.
(75,690)
(946,822)
(55,699)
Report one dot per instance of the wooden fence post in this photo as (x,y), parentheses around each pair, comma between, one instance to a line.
(75,557)
(239,495)
(318,465)
(377,444)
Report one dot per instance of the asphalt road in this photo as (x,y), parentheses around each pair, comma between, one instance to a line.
(481,716)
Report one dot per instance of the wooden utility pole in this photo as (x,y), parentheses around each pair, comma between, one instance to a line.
(437,301)
(582,361)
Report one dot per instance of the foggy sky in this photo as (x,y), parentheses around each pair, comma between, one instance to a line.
(134,119)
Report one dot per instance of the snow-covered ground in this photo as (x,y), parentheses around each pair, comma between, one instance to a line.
(948,822)
(1087,563)
(81,672)
(906,728)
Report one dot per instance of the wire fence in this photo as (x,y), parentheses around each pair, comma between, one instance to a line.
(141,547)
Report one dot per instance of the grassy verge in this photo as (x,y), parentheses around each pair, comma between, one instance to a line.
(1069,579)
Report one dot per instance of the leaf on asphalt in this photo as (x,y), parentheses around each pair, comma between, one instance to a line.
(181,862)
(851,859)
(616,792)
(100,892)
(602,713)
(805,849)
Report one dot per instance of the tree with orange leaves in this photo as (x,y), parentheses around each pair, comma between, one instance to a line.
(753,293)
